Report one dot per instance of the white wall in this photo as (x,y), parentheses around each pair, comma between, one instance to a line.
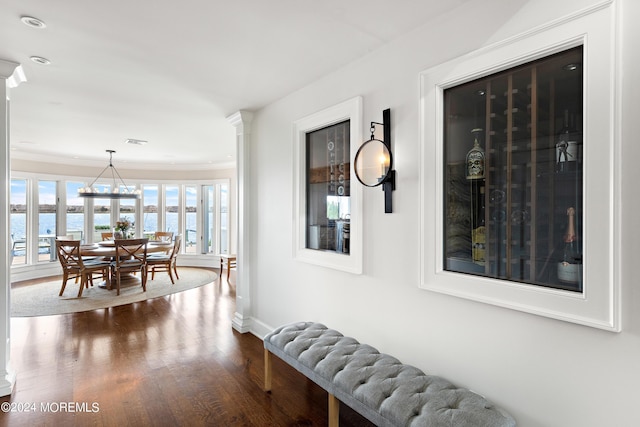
(544,372)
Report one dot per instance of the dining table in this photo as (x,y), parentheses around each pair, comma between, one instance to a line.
(107,249)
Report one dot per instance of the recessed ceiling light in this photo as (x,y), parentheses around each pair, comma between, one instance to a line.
(136,141)
(40,60)
(33,22)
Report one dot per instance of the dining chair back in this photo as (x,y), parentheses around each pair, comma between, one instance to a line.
(163,235)
(166,262)
(131,257)
(107,235)
(74,266)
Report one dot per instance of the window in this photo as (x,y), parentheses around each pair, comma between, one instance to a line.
(150,209)
(532,192)
(178,207)
(75,211)
(18,207)
(215,201)
(172,208)
(47,220)
(101,213)
(223,211)
(191,209)
(127,209)
(328,212)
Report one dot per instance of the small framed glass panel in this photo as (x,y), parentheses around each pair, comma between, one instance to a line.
(327,209)
(328,188)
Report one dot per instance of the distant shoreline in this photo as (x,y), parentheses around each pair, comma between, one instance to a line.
(21,208)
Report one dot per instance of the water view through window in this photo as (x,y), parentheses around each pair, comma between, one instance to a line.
(179,217)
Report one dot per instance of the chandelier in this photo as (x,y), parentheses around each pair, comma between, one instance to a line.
(116,192)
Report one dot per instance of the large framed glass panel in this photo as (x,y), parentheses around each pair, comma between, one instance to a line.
(18,207)
(513,173)
(75,211)
(526,217)
(191,219)
(47,220)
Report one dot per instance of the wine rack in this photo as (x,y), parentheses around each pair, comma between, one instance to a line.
(525,193)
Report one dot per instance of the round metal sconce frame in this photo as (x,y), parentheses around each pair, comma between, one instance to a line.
(373,163)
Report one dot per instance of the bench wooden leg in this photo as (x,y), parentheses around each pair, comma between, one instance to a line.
(267,370)
(334,411)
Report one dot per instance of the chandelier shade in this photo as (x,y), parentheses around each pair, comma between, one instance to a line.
(116,192)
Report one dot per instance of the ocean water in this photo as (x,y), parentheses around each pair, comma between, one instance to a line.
(75,221)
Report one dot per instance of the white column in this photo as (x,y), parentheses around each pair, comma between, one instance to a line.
(11,75)
(242,317)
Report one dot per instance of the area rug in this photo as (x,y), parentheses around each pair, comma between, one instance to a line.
(42,299)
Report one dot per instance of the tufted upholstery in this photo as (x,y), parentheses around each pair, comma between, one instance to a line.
(379,386)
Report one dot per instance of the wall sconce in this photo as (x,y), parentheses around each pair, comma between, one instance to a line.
(373,163)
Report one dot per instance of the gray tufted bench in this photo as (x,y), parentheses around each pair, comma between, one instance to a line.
(378,386)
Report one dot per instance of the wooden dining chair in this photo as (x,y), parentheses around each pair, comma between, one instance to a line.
(163,235)
(131,257)
(62,261)
(73,265)
(107,235)
(165,262)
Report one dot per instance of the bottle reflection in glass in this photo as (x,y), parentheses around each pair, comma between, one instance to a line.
(566,147)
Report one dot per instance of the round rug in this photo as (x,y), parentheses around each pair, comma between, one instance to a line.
(42,299)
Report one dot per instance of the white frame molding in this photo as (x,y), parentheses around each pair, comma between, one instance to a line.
(347,110)
(599,304)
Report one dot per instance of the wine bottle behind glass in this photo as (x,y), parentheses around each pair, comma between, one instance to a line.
(478,232)
(571,265)
(476,178)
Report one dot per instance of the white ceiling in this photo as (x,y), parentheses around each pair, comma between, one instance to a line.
(171,72)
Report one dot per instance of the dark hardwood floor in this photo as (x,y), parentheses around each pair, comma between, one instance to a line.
(169,361)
